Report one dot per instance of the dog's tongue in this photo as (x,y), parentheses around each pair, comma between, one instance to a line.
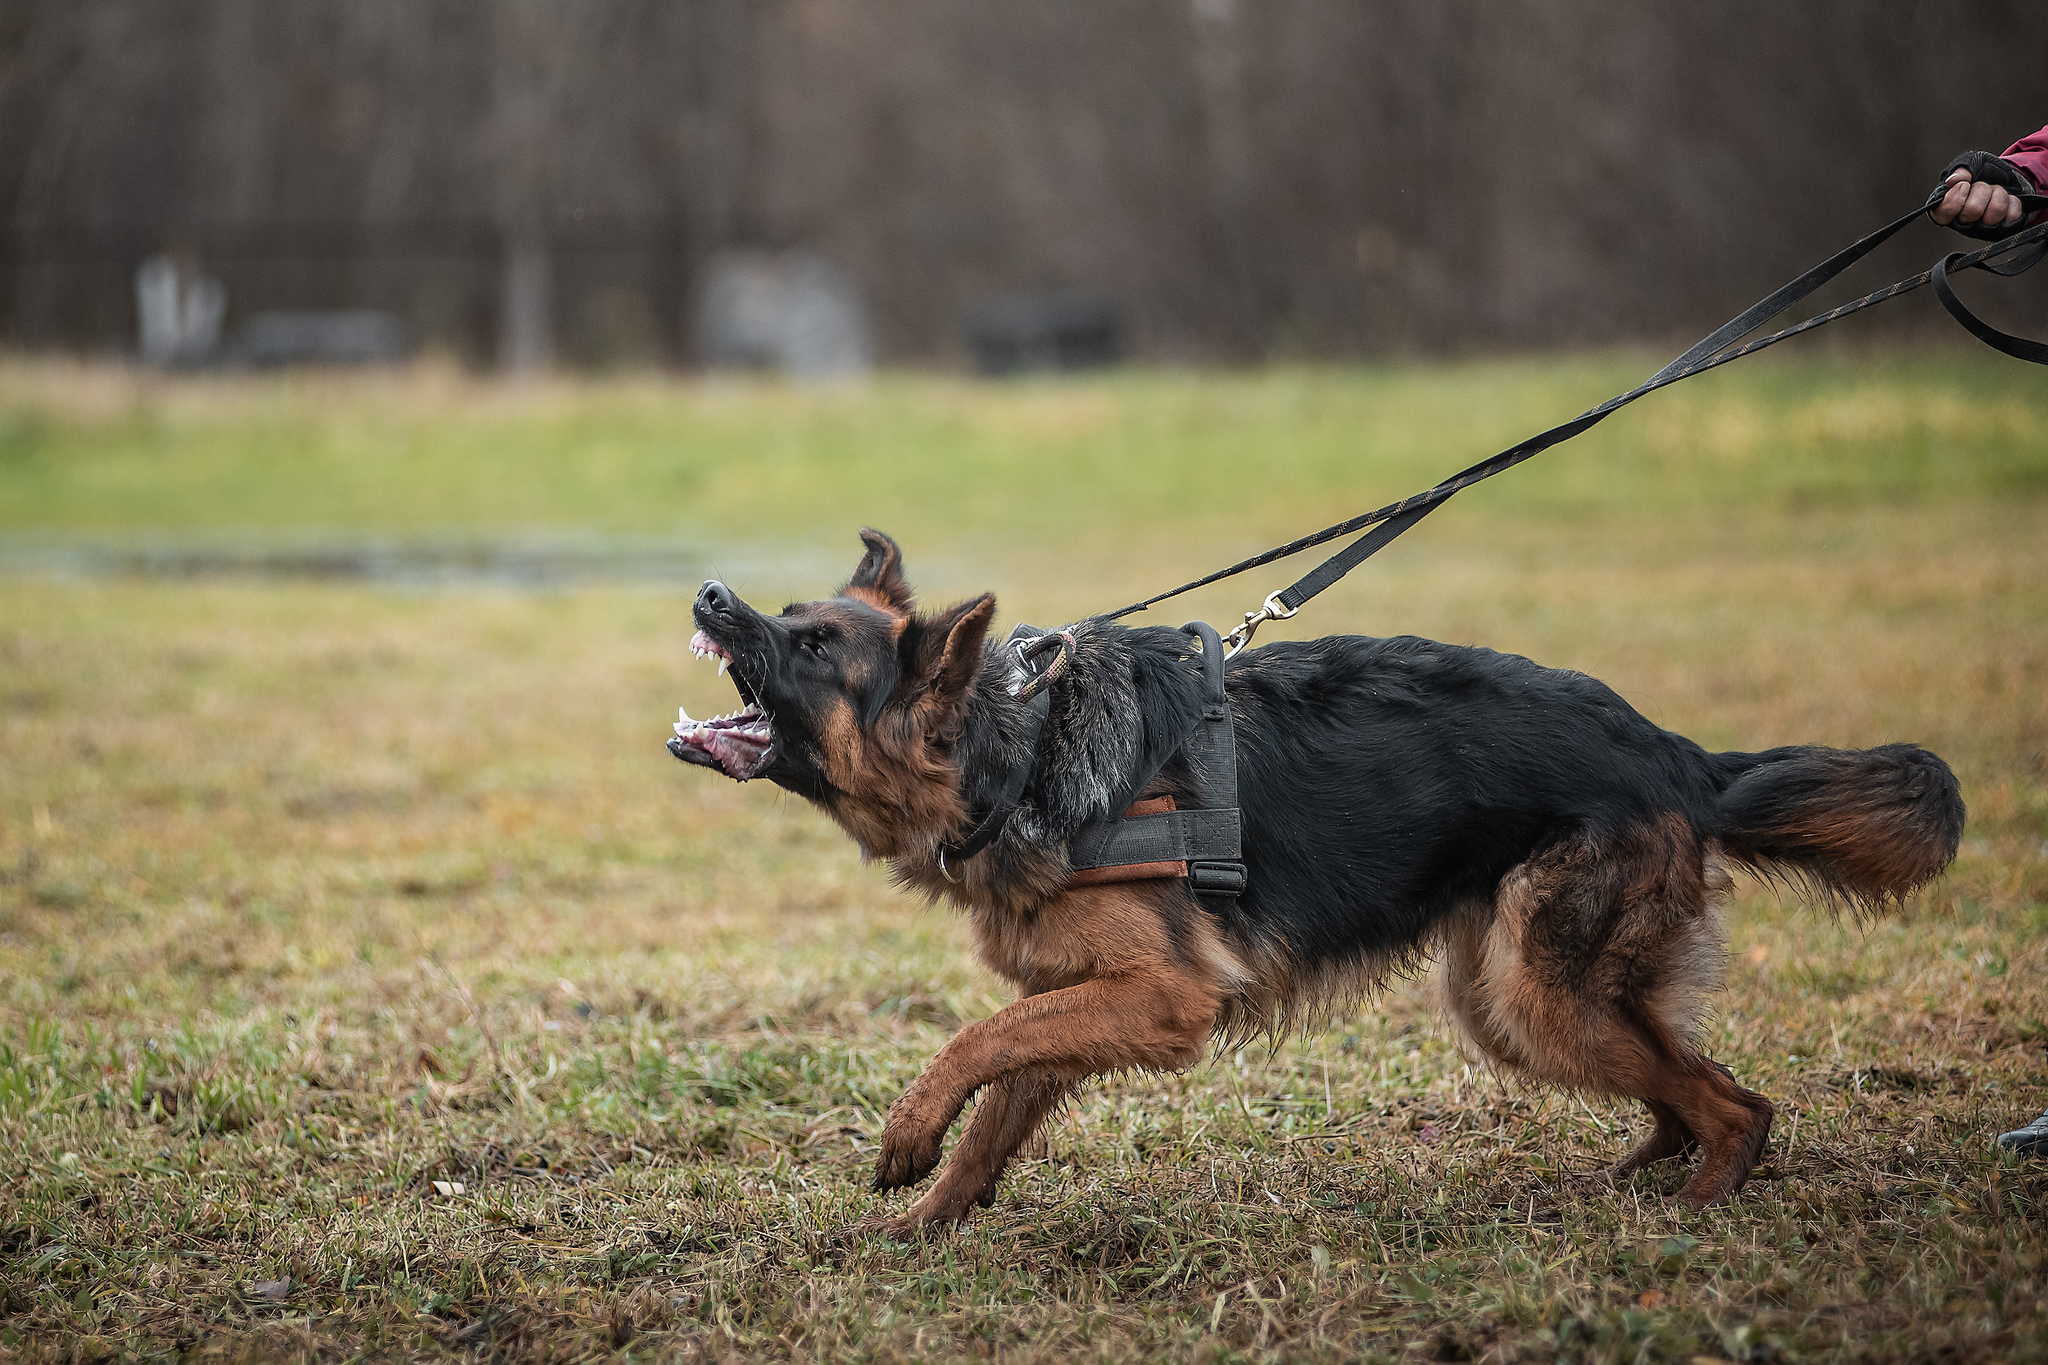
(740,745)
(740,752)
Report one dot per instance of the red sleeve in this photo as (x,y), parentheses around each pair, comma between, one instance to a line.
(2030,154)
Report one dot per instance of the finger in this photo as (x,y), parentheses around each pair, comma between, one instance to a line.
(1958,176)
(1952,202)
(2004,209)
(1980,199)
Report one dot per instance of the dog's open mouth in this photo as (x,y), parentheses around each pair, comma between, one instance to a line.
(739,744)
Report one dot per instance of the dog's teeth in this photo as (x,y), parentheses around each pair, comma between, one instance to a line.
(723,664)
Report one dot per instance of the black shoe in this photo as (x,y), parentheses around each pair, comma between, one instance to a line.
(2031,1140)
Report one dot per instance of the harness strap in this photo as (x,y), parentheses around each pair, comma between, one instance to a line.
(1205,843)
(1170,836)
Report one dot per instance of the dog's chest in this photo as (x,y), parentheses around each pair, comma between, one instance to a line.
(1019,949)
(1088,932)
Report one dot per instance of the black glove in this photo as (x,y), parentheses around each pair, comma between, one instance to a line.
(1992,170)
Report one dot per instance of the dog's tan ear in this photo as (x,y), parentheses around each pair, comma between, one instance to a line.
(949,655)
(879,580)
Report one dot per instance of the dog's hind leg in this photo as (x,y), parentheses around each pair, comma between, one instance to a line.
(1671,1137)
(1470,999)
(1005,1116)
(1594,974)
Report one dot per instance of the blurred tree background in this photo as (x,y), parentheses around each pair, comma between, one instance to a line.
(536,180)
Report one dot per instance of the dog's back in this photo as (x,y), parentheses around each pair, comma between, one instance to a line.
(1388,783)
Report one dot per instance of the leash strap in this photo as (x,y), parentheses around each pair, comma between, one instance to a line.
(1711,351)
(2020,348)
(1208,838)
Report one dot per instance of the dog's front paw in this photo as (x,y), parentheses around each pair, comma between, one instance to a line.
(909,1153)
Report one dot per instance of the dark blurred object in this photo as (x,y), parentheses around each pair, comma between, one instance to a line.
(1068,330)
(355,336)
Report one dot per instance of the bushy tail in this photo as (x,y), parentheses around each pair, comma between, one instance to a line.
(1861,826)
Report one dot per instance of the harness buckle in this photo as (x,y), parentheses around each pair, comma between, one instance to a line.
(1218,879)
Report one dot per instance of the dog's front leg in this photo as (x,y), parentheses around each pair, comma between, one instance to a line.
(1009,1111)
(1153,1019)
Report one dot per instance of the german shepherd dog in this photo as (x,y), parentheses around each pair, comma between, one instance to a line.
(1401,799)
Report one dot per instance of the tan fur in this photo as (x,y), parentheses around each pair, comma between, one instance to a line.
(1591,968)
(1875,847)
(895,785)
(1006,1117)
(870,596)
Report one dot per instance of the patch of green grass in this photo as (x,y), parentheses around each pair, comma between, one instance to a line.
(318,901)
(952,463)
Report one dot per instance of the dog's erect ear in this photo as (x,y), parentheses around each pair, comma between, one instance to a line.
(948,657)
(879,579)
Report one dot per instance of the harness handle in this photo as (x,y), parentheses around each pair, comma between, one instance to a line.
(1213,655)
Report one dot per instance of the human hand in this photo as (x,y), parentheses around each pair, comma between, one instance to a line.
(1977,202)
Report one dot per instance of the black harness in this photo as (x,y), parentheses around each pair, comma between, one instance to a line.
(1204,843)
(1208,838)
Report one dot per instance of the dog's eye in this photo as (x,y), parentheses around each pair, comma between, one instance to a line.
(814,648)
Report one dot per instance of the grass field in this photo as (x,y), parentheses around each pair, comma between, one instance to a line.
(374,985)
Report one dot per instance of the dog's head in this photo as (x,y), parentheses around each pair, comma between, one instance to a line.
(856,702)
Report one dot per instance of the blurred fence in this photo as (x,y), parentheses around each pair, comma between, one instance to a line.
(536,180)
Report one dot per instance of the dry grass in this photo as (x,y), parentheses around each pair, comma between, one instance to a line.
(316,896)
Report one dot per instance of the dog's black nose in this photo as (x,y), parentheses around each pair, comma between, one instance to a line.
(714,597)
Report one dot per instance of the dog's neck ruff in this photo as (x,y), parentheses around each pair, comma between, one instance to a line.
(1031,646)
(1150,837)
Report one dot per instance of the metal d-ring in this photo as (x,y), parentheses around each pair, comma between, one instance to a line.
(942,869)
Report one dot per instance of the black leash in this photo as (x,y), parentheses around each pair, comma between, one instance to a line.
(1711,352)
